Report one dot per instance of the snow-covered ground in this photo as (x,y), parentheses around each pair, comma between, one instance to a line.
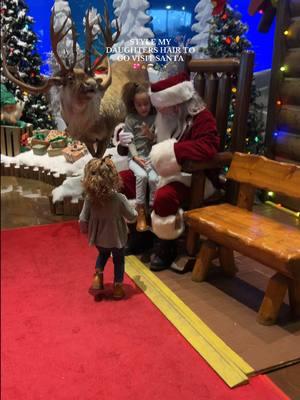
(72,184)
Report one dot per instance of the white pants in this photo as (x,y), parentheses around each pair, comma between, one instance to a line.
(142,177)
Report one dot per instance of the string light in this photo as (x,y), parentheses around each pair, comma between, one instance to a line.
(237,39)
(271,194)
(234,90)
(281,208)
(278,102)
(286,32)
(283,68)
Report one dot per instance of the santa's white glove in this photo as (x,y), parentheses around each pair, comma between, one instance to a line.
(125,138)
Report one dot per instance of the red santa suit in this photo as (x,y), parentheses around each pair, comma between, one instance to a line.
(198,142)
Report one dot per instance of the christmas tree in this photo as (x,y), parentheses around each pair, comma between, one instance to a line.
(203,12)
(25,62)
(227,38)
(132,18)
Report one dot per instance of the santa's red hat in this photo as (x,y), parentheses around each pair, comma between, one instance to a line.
(171,91)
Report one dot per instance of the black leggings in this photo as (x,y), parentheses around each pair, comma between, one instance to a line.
(118,260)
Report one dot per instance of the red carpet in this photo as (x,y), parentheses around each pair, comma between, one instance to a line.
(58,344)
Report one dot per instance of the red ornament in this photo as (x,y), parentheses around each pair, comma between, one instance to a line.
(228,40)
(224,17)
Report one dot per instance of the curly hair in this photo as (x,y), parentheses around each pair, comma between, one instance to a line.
(101,179)
(129,90)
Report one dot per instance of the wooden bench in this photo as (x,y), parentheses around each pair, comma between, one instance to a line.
(228,227)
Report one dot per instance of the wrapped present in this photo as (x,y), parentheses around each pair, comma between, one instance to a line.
(54,151)
(59,141)
(74,152)
(39,149)
(55,135)
(40,137)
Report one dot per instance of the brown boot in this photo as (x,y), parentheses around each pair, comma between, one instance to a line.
(118,292)
(98,280)
(141,224)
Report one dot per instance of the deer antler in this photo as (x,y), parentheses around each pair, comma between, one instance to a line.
(24,86)
(56,37)
(106,32)
(108,42)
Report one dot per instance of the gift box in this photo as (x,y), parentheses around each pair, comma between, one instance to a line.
(39,149)
(59,142)
(40,137)
(74,152)
(55,135)
(54,151)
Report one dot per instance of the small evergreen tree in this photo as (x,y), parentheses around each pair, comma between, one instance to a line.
(22,56)
(132,18)
(203,12)
(227,38)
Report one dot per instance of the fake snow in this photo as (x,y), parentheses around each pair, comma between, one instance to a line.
(72,184)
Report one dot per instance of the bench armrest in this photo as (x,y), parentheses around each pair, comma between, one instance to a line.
(220,160)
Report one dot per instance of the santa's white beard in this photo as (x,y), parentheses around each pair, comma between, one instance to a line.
(165,126)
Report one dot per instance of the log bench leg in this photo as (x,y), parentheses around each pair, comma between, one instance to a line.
(204,258)
(294,297)
(270,306)
(191,242)
(227,261)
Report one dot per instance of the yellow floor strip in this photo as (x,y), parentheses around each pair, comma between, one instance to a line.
(227,364)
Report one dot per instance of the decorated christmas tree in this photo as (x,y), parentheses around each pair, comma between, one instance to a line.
(227,38)
(24,61)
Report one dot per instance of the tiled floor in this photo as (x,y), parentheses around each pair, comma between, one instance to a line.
(25,203)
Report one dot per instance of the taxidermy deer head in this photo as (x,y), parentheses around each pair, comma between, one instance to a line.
(90,104)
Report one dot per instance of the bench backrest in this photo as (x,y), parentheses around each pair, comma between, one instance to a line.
(253,171)
(216,79)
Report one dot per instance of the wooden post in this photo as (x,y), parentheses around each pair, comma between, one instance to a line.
(67,205)
(59,208)
(273,299)
(227,261)
(203,261)
(51,204)
(7,170)
(246,196)
(294,297)
(12,169)
(196,201)
(35,173)
(17,171)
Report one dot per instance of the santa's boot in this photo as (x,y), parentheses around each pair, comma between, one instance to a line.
(164,254)
(141,224)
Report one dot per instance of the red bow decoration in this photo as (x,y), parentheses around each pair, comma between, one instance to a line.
(24,139)
(219,6)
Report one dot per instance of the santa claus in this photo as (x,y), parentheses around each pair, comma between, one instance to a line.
(186,130)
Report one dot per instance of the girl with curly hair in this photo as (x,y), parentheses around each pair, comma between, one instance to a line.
(103,216)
